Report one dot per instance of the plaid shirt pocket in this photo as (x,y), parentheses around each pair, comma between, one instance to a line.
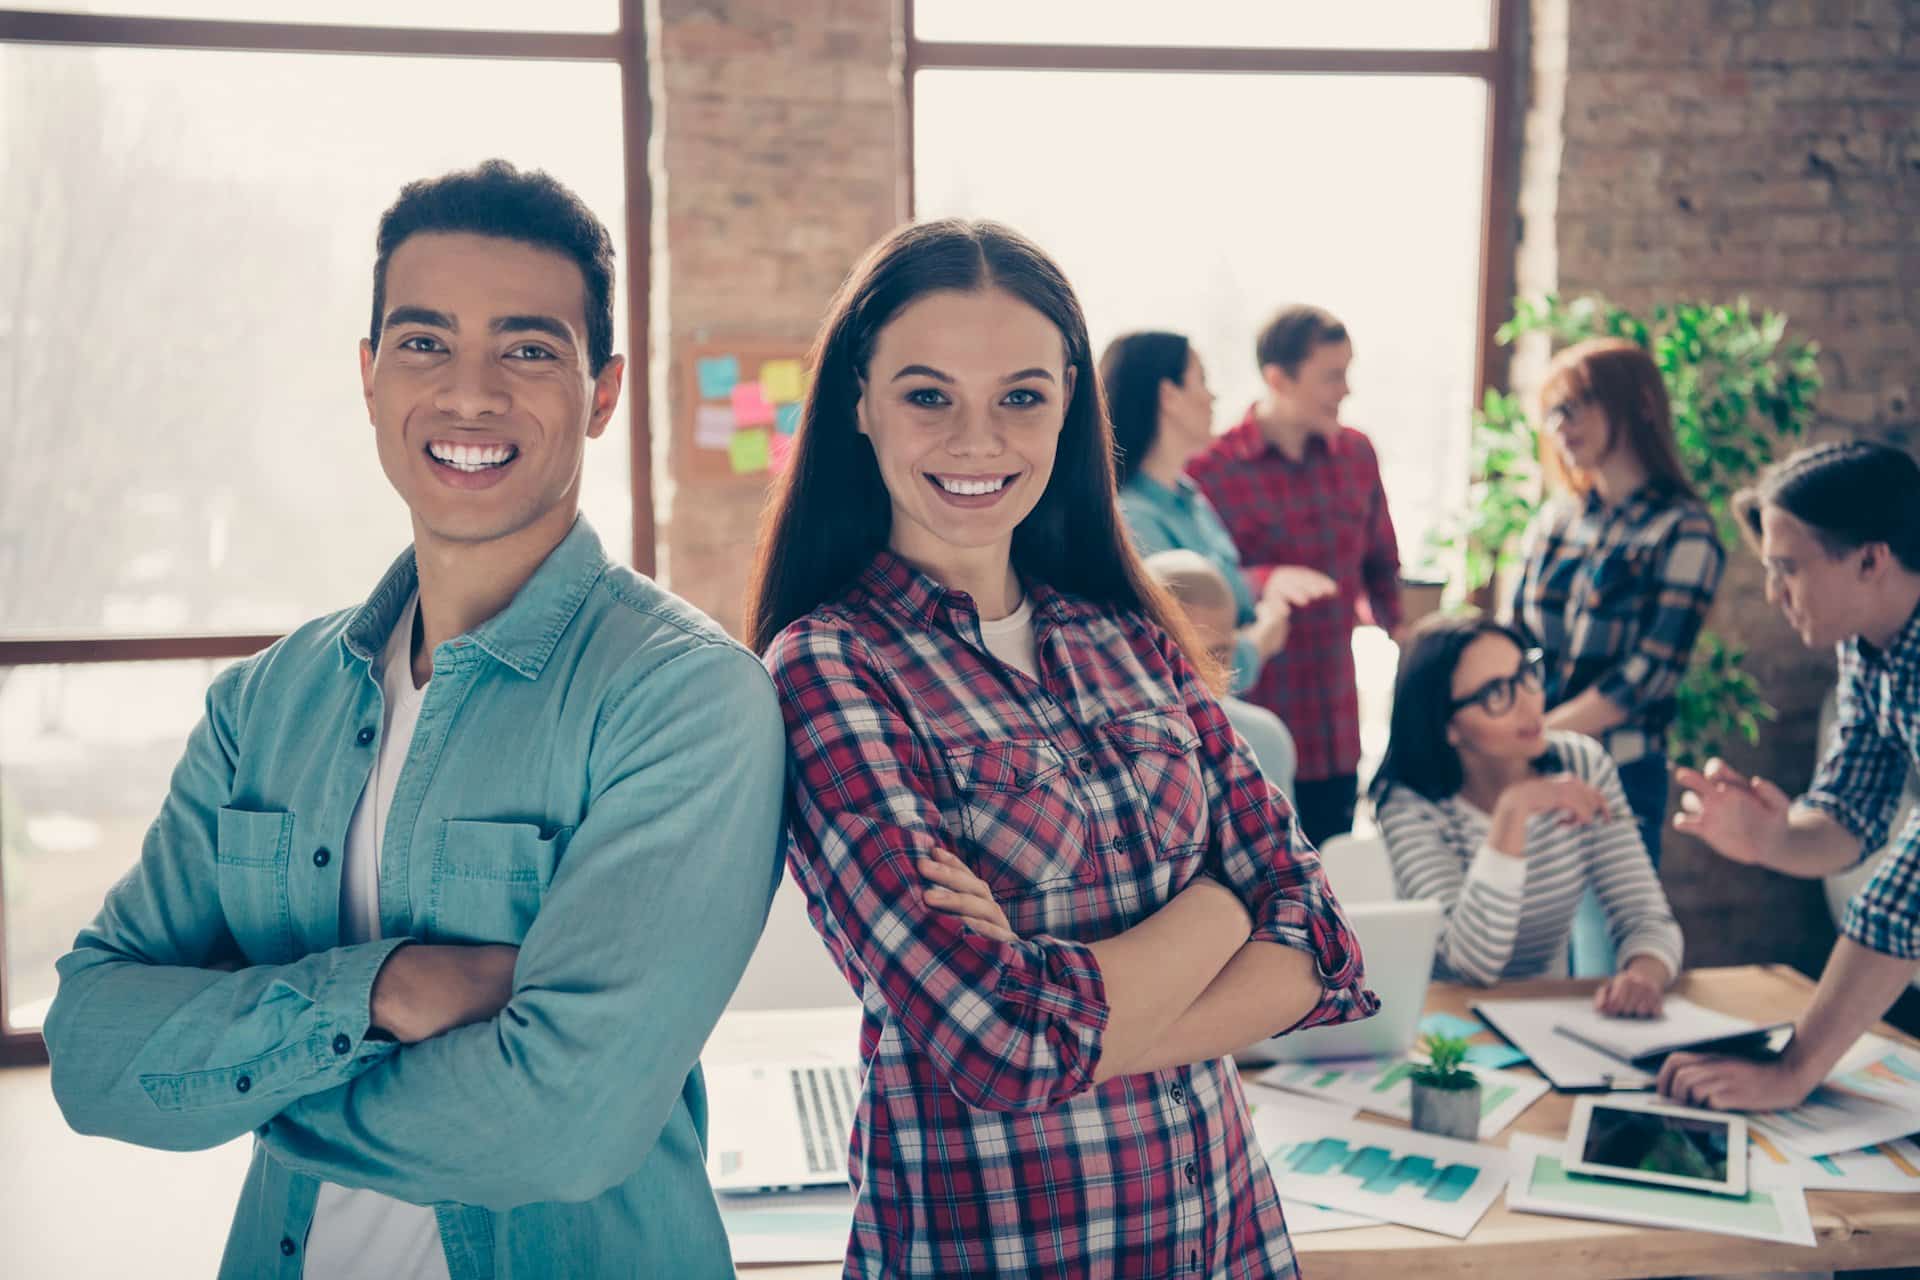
(1161,750)
(1026,830)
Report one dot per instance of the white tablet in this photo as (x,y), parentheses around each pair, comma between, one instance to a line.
(1649,1142)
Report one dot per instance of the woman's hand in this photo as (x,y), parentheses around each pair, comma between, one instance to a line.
(1639,990)
(1577,802)
(956,891)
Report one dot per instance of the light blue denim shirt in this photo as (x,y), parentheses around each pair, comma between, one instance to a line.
(1181,519)
(595,777)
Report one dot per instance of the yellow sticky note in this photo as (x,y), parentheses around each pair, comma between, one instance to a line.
(749,451)
(780,380)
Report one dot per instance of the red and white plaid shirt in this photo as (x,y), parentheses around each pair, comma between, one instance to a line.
(1327,511)
(1086,800)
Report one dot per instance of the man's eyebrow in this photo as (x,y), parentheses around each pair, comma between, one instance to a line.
(548,325)
(422,315)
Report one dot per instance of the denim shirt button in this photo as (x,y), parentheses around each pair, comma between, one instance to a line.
(321,857)
(244,1083)
(341,1044)
(286,1246)
(364,737)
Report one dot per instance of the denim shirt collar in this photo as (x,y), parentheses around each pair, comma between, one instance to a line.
(522,635)
(1180,496)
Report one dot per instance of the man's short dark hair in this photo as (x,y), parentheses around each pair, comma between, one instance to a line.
(496,199)
(1293,333)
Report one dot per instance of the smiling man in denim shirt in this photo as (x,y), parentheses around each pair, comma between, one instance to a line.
(449,889)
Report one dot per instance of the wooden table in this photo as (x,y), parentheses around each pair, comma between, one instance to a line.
(1853,1230)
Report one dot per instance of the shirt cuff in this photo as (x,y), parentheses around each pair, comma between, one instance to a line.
(1858,823)
(1498,871)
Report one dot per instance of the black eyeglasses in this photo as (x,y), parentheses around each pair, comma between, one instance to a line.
(1495,697)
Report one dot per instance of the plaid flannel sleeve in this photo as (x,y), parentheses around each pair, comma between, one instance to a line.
(1860,777)
(1256,849)
(1885,914)
(1012,1026)
(1380,566)
(1690,563)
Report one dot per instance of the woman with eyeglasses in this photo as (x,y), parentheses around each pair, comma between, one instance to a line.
(1507,822)
(1620,572)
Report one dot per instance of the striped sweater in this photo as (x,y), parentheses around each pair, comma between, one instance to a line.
(1509,918)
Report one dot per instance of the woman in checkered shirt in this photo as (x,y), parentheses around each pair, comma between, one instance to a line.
(1621,570)
(1028,836)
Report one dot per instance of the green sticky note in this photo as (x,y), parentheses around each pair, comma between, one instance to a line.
(749,451)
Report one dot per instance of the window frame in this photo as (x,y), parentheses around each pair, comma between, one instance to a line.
(625,46)
(1498,66)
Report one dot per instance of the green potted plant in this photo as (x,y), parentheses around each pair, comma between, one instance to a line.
(1740,391)
(1446,1096)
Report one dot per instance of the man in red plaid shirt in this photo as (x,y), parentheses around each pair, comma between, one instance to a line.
(1299,491)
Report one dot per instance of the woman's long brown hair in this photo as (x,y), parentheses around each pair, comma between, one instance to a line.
(829,512)
(1623,381)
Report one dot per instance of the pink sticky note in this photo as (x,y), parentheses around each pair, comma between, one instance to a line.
(750,406)
(779,452)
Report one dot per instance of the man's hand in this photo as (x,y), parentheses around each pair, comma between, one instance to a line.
(1272,623)
(1732,1084)
(1743,819)
(425,990)
(1298,586)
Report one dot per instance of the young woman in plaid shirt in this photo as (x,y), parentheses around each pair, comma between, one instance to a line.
(1027,834)
(1620,573)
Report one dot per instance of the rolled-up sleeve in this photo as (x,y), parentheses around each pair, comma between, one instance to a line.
(1885,915)
(1010,1026)
(1256,849)
(1861,775)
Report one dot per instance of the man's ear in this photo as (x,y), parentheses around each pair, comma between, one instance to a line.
(1874,559)
(366,375)
(606,395)
(1276,379)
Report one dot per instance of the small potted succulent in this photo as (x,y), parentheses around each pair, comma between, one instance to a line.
(1446,1096)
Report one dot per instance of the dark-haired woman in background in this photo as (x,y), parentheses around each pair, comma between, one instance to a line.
(1507,824)
(1024,828)
(1162,413)
(1619,576)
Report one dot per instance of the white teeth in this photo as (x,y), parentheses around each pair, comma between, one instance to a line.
(472,457)
(971,488)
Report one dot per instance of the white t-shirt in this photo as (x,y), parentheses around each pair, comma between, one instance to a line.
(1011,639)
(358,1233)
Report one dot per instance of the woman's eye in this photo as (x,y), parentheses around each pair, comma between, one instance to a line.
(1024,398)
(926,397)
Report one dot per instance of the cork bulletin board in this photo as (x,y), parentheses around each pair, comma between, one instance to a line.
(739,407)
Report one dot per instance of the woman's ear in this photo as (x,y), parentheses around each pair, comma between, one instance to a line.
(860,406)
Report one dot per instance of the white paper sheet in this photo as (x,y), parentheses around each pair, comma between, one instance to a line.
(1872,1096)
(789,1226)
(1774,1208)
(1533,1026)
(1384,1087)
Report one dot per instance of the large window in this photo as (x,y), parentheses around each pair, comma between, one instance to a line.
(1195,166)
(186,223)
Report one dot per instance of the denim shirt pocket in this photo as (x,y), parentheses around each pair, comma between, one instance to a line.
(250,859)
(1161,749)
(1024,826)
(489,879)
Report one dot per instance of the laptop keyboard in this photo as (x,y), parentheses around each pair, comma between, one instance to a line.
(824,1097)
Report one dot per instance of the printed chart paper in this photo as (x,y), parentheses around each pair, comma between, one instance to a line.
(1887,1166)
(1873,1096)
(1774,1208)
(1415,1179)
(1384,1086)
(789,1226)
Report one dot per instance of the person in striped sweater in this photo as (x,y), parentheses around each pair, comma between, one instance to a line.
(1507,824)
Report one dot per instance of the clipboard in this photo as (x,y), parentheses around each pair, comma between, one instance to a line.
(1568,1065)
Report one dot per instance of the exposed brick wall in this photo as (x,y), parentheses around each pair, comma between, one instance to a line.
(1714,148)
(776,129)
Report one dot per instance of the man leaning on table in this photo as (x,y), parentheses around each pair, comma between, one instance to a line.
(1838,528)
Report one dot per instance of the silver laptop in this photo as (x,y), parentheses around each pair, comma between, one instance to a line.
(779,1124)
(1397,942)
